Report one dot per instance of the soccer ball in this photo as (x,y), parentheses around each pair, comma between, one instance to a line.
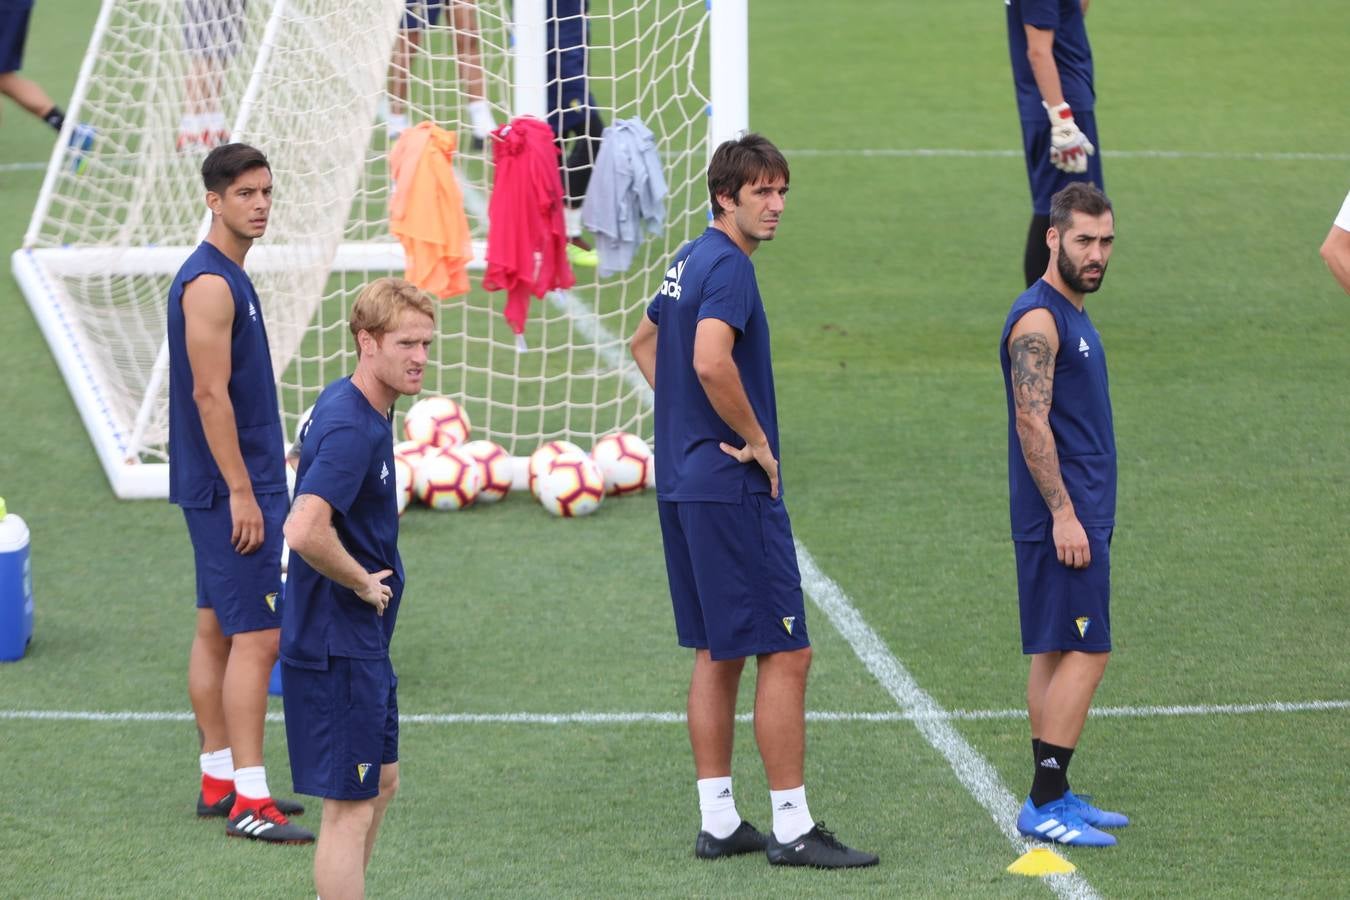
(496,469)
(625,460)
(403,482)
(438,421)
(540,459)
(449,479)
(571,486)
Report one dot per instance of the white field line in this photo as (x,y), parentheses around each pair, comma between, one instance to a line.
(677,718)
(973,771)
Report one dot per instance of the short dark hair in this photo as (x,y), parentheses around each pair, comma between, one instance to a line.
(1080,196)
(227,162)
(745,160)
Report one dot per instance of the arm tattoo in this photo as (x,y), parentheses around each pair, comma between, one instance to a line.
(1033,379)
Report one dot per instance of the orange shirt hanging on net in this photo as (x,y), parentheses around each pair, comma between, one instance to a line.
(426,210)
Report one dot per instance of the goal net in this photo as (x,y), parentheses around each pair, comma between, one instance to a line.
(309,82)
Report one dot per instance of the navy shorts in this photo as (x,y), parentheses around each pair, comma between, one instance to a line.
(421,14)
(242,590)
(733,576)
(214,28)
(13,35)
(341,726)
(1045,179)
(1063,608)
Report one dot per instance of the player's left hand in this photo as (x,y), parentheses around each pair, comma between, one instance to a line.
(762,455)
(1069,147)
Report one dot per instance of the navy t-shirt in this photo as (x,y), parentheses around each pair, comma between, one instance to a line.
(710,278)
(1080,420)
(346,458)
(1073,55)
(194,478)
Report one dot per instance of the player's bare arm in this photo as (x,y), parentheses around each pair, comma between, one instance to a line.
(721,380)
(1032,346)
(310,532)
(1041,55)
(208,315)
(643,347)
(1336,253)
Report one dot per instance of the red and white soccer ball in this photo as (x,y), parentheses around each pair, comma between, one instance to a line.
(625,460)
(540,459)
(449,479)
(438,421)
(571,486)
(496,469)
(403,482)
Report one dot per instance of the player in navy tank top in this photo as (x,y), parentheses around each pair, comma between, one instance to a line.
(227,473)
(1062,503)
(730,559)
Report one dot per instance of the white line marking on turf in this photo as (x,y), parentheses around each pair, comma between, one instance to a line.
(677,718)
(973,771)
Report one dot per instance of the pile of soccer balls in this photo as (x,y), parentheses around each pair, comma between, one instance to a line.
(441,467)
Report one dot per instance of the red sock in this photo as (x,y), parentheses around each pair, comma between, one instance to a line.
(242,803)
(213,789)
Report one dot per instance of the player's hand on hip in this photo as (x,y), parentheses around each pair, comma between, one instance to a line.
(246,522)
(1071,543)
(375,592)
(760,454)
(1069,147)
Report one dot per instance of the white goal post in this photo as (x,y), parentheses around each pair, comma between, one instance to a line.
(308,82)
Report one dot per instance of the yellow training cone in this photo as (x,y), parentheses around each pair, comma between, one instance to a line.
(1041,861)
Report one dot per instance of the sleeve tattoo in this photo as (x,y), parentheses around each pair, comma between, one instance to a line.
(1033,379)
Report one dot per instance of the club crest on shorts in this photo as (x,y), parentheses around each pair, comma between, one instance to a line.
(787,623)
(1083,623)
(361,770)
(271,601)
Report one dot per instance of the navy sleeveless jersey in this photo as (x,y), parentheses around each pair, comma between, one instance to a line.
(1073,55)
(1080,419)
(710,277)
(194,478)
(346,458)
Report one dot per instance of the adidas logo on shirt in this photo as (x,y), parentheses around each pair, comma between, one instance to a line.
(252,311)
(1083,346)
(384,472)
(671,286)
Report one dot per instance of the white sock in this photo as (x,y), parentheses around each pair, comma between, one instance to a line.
(718,806)
(480,118)
(791,818)
(219,764)
(251,783)
(572,219)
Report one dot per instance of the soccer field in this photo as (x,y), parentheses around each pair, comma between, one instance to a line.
(543,746)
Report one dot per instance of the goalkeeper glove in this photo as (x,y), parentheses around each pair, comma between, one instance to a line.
(1069,147)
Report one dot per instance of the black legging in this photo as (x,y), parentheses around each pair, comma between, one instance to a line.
(576,168)
(1037,258)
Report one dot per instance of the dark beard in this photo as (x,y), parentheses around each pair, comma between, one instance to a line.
(1072,277)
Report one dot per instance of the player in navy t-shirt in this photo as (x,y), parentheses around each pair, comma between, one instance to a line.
(226,471)
(730,559)
(1052,76)
(346,584)
(1062,500)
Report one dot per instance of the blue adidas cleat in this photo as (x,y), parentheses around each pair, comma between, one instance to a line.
(1097,818)
(81,142)
(1058,822)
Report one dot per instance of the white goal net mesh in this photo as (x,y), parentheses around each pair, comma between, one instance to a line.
(308,82)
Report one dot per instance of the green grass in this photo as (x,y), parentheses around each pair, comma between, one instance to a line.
(886,290)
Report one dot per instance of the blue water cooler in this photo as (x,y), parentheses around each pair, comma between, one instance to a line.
(16,587)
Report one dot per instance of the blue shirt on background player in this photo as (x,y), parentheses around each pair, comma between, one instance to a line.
(710,277)
(347,458)
(1072,54)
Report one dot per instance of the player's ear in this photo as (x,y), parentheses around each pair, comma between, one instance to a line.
(727,202)
(366,343)
(213,202)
